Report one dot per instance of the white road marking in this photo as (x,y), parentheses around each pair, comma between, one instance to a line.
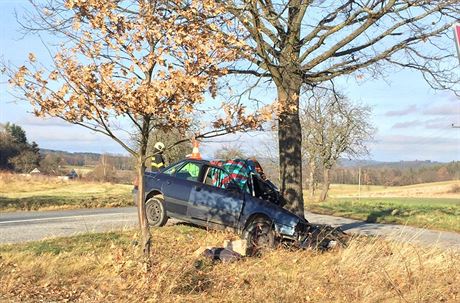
(58,218)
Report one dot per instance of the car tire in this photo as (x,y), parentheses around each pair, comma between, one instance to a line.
(260,236)
(155,212)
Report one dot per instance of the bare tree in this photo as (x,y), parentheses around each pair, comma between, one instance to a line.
(307,42)
(230,152)
(333,127)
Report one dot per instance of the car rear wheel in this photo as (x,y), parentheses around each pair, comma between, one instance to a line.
(155,211)
(260,236)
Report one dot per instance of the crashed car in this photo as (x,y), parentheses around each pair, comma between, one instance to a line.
(227,194)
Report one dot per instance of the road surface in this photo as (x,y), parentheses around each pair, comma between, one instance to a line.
(18,227)
(25,226)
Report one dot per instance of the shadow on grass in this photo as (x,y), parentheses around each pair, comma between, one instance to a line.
(374,216)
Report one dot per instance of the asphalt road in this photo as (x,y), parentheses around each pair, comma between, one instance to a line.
(18,227)
(25,226)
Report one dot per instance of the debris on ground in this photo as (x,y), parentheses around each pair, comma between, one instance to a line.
(230,252)
(221,254)
(238,246)
(318,237)
(324,237)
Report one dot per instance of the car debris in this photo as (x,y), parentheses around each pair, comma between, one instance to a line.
(221,254)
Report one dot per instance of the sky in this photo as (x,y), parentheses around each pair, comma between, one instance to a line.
(413,121)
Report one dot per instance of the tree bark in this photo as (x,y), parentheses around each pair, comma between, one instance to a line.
(290,144)
(143,223)
(311,183)
(326,184)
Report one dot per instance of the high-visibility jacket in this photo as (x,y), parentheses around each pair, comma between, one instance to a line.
(158,162)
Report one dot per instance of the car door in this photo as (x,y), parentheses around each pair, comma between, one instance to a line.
(217,199)
(177,186)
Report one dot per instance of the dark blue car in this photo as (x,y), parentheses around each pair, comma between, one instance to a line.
(202,193)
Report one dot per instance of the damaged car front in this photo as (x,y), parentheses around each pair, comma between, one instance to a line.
(286,224)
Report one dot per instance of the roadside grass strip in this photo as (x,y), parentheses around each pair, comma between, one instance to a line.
(434,213)
(109,267)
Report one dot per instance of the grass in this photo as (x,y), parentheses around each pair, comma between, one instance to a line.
(446,189)
(39,193)
(442,214)
(431,205)
(107,267)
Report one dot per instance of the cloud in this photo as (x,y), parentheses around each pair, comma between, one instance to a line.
(407,124)
(437,123)
(417,140)
(429,147)
(36,121)
(409,110)
(446,109)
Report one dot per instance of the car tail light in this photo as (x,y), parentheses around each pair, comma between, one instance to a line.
(136,182)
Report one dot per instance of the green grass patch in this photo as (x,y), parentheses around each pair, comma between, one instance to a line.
(437,213)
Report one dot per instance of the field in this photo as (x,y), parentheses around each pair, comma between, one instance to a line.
(431,205)
(447,189)
(40,193)
(106,267)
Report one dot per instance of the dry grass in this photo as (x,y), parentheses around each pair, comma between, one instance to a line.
(105,267)
(425,190)
(454,189)
(19,192)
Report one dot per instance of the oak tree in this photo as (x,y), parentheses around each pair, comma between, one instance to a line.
(130,65)
(307,42)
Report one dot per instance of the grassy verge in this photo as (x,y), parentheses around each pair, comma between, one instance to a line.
(38,193)
(105,267)
(437,213)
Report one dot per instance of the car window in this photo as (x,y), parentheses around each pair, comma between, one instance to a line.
(172,170)
(189,171)
(218,178)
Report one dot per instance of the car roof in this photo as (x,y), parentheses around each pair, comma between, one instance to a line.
(196,160)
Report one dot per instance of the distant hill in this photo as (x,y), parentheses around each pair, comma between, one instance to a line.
(45,151)
(88,158)
(347,163)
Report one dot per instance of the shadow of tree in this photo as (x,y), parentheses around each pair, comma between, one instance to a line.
(375,215)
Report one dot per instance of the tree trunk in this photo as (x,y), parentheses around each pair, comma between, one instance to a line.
(326,184)
(143,223)
(311,183)
(290,144)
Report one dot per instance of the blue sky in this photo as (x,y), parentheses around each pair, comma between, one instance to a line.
(413,121)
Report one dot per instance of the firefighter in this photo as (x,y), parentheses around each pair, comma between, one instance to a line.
(158,162)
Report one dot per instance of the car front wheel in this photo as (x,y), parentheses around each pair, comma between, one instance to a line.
(260,236)
(155,211)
